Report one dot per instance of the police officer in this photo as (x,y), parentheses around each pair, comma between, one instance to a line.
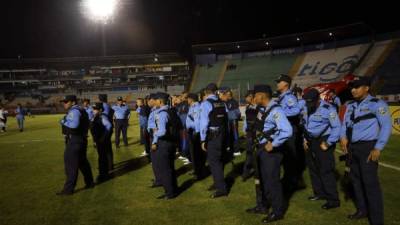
(151,128)
(121,114)
(20,115)
(293,164)
(233,118)
(75,127)
(143,111)
(107,110)
(213,129)
(164,145)
(335,100)
(101,130)
(274,132)
(322,129)
(88,108)
(365,131)
(182,109)
(250,131)
(193,128)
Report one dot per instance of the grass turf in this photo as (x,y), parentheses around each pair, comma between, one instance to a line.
(32,171)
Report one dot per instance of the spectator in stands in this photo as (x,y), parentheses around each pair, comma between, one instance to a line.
(20,115)
(3,118)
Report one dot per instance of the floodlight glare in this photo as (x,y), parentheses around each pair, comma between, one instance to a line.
(100,10)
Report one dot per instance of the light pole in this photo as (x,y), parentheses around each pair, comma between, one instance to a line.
(101,12)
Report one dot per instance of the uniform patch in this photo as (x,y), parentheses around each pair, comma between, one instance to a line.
(290,102)
(332,115)
(382,110)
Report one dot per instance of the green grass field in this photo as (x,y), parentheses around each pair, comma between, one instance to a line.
(32,171)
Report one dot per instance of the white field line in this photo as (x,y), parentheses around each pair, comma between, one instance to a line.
(380,163)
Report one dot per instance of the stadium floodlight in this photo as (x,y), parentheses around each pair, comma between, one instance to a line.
(238,46)
(100,10)
(330,34)
(267,43)
(298,39)
(209,49)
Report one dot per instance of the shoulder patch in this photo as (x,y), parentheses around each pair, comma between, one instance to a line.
(332,115)
(276,116)
(382,110)
(290,102)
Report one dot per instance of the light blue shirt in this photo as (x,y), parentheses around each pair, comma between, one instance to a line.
(20,113)
(107,124)
(379,128)
(193,117)
(73,117)
(278,121)
(151,124)
(89,111)
(161,120)
(121,112)
(289,104)
(324,121)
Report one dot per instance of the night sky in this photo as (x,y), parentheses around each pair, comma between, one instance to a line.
(59,28)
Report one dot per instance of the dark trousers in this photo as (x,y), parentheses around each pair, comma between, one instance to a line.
(261,195)
(215,148)
(270,165)
(121,126)
(142,135)
(103,158)
(364,176)
(291,175)
(249,162)
(75,159)
(234,135)
(145,139)
(165,166)
(197,154)
(321,165)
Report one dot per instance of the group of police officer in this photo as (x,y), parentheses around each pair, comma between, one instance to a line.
(294,131)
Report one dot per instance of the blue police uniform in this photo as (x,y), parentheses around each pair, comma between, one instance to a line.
(89,111)
(250,131)
(165,153)
(276,129)
(121,114)
(213,128)
(101,129)
(182,111)
(193,128)
(151,127)
(294,163)
(75,127)
(322,125)
(367,125)
(233,117)
(143,112)
(336,102)
(20,115)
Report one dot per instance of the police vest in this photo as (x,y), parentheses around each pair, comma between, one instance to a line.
(83,126)
(251,117)
(218,116)
(97,128)
(173,126)
(262,116)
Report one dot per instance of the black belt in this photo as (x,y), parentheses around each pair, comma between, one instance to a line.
(363,142)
